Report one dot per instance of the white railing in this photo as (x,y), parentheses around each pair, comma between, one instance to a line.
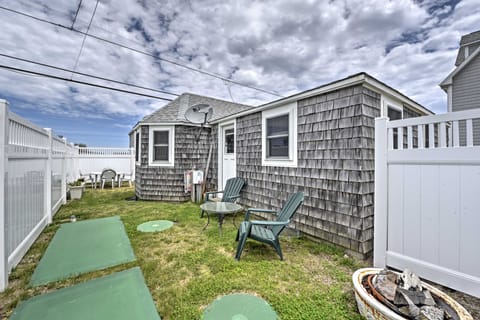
(35,167)
(427,200)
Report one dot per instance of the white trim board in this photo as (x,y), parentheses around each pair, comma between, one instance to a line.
(448,80)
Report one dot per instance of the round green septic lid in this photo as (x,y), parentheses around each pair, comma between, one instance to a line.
(157,225)
(239,306)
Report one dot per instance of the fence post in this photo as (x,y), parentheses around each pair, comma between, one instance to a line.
(48,179)
(76,158)
(381,194)
(64,171)
(3,180)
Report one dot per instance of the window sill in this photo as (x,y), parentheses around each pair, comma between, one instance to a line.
(279,163)
(161,164)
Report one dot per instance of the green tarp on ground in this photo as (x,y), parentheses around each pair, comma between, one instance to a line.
(80,247)
(154,226)
(120,296)
(239,306)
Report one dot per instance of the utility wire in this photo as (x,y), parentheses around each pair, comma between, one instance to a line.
(229,91)
(80,82)
(76,14)
(86,74)
(84,37)
(142,52)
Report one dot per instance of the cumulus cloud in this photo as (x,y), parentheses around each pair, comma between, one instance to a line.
(282,46)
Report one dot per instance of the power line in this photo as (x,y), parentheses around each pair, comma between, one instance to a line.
(80,82)
(86,74)
(84,37)
(76,14)
(141,52)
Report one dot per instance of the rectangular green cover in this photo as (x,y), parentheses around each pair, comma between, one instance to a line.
(80,247)
(120,296)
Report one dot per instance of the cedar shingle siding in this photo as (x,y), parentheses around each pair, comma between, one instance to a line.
(166,183)
(335,167)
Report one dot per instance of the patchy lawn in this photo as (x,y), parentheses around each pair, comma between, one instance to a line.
(186,268)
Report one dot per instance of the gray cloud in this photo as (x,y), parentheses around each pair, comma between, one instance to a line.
(280,45)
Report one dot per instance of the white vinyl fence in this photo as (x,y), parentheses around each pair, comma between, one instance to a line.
(35,167)
(96,159)
(427,198)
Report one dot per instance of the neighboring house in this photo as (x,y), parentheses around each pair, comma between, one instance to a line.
(166,146)
(319,141)
(462,85)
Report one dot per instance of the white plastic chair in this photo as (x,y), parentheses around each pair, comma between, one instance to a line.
(88,178)
(125,177)
(108,175)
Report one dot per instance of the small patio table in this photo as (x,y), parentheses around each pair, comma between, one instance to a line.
(221,209)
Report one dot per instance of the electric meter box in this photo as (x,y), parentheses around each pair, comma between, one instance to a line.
(197,177)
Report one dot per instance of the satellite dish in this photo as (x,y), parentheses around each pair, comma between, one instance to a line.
(199,113)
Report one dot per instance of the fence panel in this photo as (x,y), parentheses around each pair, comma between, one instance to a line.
(427,207)
(35,167)
(26,194)
(97,159)
(58,184)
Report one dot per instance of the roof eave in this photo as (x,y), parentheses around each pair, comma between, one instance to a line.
(397,94)
(347,82)
(449,79)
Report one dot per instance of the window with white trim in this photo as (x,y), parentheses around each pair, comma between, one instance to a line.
(279,136)
(394,113)
(137,146)
(161,146)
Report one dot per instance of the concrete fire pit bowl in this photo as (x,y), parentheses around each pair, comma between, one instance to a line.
(372,309)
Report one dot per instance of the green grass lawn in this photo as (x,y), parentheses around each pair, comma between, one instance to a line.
(186,268)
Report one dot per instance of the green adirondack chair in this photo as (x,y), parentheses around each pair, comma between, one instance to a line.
(268,231)
(230,193)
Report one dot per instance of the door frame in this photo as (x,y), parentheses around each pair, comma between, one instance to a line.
(221,127)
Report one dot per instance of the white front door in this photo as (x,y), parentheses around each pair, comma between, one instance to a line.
(227,153)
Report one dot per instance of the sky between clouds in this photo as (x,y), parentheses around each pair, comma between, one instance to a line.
(278,45)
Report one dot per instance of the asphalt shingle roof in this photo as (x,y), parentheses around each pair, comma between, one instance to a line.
(174,112)
(471,40)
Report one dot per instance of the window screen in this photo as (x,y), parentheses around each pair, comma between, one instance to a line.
(160,146)
(277,136)
(137,146)
(394,114)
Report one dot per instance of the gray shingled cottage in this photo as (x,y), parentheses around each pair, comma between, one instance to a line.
(320,141)
(166,146)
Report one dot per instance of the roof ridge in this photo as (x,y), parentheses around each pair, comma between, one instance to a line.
(217,99)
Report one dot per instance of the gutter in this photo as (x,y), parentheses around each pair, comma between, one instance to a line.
(167,124)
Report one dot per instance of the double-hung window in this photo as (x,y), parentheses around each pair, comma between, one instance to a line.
(161,140)
(137,145)
(279,136)
(160,145)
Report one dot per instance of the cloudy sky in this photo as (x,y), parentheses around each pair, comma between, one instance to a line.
(279,46)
